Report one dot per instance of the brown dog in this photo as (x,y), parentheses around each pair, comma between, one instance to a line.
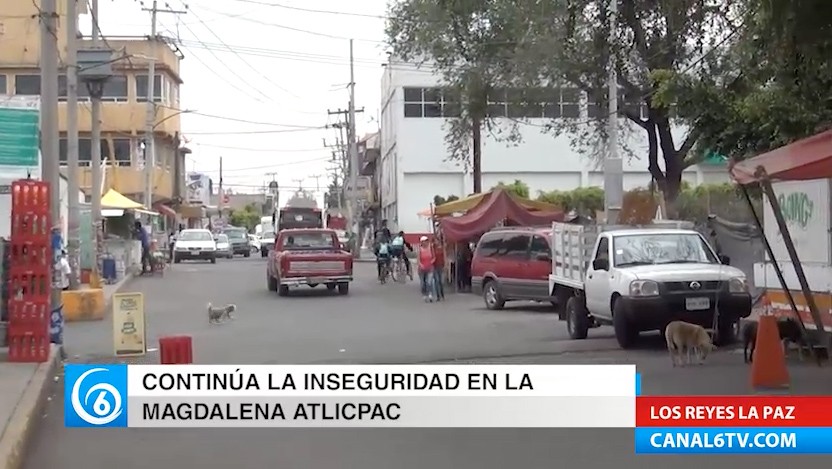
(685,339)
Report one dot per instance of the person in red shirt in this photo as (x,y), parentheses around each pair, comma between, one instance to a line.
(439,269)
(427,259)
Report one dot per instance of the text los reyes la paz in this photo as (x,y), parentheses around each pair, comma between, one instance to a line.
(240,381)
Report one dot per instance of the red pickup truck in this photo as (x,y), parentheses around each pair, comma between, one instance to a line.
(308,256)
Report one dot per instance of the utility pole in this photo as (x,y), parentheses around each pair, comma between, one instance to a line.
(353,152)
(221,198)
(95,75)
(49,118)
(300,184)
(344,147)
(150,158)
(613,165)
(74,211)
(317,178)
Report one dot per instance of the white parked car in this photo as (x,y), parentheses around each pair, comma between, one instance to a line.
(254,242)
(195,244)
(224,246)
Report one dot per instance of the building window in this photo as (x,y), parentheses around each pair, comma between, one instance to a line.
(84,150)
(141,88)
(524,104)
(496,103)
(121,151)
(2,84)
(431,102)
(115,89)
(82,91)
(27,85)
(413,102)
(570,103)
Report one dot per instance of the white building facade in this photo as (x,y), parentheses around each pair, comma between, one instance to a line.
(414,159)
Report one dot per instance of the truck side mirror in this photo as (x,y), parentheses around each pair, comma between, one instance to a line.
(724,260)
(601,264)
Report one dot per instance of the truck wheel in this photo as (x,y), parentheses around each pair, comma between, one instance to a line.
(727,331)
(343,288)
(176,259)
(271,282)
(577,319)
(213,260)
(247,253)
(491,296)
(330,286)
(625,333)
(283,290)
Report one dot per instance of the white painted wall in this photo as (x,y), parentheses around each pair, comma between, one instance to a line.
(415,168)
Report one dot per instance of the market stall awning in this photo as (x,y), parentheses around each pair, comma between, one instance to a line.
(114,199)
(468,203)
(810,158)
(497,207)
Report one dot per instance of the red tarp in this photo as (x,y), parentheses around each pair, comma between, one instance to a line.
(498,206)
(810,158)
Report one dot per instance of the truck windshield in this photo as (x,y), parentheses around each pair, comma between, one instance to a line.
(664,248)
(308,241)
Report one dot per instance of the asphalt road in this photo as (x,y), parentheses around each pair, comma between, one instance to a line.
(374,324)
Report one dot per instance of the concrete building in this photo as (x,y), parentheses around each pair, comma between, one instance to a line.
(124,105)
(414,162)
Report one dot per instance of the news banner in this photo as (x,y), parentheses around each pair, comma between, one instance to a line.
(443,396)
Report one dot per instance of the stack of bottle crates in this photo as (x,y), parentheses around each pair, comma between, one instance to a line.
(30,272)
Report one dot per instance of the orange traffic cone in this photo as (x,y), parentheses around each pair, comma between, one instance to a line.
(768,370)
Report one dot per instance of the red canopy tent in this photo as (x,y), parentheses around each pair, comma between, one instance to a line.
(498,206)
(810,158)
(803,160)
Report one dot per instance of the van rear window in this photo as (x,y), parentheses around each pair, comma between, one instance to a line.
(490,246)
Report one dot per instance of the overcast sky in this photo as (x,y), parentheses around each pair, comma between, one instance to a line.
(288,64)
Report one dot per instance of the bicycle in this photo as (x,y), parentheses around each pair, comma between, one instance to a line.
(385,272)
(399,270)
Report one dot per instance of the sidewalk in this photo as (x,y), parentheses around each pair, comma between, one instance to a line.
(24,388)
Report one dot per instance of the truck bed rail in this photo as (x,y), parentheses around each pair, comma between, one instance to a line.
(572,247)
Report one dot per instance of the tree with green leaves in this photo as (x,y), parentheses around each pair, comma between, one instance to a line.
(468,43)
(567,42)
(518,188)
(782,83)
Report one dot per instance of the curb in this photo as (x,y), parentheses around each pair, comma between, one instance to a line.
(25,418)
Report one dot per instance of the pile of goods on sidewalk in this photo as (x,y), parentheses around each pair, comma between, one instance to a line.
(30,272)
(4,290)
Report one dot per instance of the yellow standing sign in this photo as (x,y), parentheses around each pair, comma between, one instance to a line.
(129,334)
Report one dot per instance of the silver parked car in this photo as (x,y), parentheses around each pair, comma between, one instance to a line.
(223,246)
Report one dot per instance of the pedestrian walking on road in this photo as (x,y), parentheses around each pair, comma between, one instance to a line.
(427,259)
(439,269)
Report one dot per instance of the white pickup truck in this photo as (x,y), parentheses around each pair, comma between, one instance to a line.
(640,279)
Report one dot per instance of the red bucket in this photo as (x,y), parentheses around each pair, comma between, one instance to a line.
(176,350)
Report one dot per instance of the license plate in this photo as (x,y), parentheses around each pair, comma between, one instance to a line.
(318,280)
(697,304)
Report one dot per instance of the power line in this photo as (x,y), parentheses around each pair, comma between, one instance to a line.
(269,166)
(311,10)
(256,70)
(290,28)
(233,72)
(245,121)
(251,132)
(269,150)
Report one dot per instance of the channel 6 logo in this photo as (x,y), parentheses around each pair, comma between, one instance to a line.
(95,395)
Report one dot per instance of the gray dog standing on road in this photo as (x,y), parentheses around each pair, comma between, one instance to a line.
(219,315)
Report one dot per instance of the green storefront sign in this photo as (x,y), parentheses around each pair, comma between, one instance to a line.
(19,132)
(797,208)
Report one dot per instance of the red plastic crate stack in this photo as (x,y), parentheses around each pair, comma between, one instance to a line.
(30,276)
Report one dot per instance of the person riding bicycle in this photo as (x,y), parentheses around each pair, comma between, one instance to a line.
(397,247)
(382,252)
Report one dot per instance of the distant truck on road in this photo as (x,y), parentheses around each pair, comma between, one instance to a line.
(309,257)
(640,279)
